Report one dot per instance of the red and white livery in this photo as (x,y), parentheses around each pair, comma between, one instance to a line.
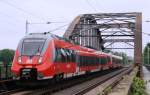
(44,56)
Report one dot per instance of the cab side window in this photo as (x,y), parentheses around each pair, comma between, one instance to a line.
(58,56)
(64,55)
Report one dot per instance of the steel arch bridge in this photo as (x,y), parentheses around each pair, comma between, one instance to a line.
(96,31)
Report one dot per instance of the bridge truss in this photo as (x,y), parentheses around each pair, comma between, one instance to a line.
(102,30)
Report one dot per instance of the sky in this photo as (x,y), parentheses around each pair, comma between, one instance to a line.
(15,13)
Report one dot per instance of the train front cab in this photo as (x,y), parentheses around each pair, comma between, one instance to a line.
(33,59)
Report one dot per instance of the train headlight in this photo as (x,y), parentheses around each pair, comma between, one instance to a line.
(40,60)
(19,59)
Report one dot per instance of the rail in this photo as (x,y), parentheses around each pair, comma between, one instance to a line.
(66,83)
(110,80)
(8,86)
(81,85)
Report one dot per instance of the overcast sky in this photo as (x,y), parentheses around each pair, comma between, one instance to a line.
(14,13)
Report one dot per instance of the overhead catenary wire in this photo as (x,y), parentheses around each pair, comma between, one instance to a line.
(91,5)
(14,23)
(58,28)
(10,17)
(146,33)
(20,9)
(29,13)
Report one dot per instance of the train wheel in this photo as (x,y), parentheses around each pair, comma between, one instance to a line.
(88,72)
(58,77)
(61,77)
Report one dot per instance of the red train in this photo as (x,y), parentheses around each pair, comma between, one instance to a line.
(45,56)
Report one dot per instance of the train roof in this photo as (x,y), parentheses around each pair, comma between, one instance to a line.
(45,35)
(109,54)
(48,35)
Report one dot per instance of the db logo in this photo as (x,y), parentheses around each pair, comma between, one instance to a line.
(29,61)
(68,66)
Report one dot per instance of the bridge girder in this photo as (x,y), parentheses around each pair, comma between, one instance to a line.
(96,30)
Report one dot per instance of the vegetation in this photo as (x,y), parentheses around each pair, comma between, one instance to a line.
(6,57)
(107,90)
(146,54)
(138,87)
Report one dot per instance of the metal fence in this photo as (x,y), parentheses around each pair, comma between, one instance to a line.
(3,74)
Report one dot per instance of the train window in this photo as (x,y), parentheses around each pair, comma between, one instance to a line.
(63,54)
(117,61)
(79,60)
(99,60)
(58,56)
(68,55)
(113,60)
(82,60)
(108,59)
(103,60)
(94,61)
(32,46)
(87,60)
(73,56)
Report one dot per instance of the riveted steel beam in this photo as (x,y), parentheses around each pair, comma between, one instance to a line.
(119,40)
(119,48)
(138,40)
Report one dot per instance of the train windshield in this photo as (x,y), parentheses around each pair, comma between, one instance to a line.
(32,46)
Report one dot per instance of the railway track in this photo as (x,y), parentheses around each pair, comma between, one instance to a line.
(103,82)
(91,84)
(8,86)
(77,85)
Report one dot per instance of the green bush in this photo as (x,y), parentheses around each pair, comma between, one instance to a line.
(138,87)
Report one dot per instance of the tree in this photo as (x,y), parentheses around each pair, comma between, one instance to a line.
(6,56)
(146,54)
